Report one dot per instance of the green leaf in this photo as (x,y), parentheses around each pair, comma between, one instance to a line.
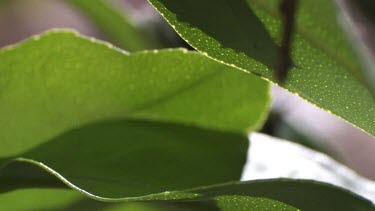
(73,99)
(228,203)
(59,81)
(164,160)
(124,158)
(123,33)
(244,203)
(166,163)
(38,199)
(325,71)
(302,194)
(44,199)
(60,199)
(270,157)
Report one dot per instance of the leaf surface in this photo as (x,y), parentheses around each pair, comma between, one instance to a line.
(62,199)
(244,34)
(45,199)
(124,158)
(60,81)
(168,163)
(38,199)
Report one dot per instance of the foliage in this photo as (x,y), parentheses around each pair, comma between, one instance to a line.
(167,129)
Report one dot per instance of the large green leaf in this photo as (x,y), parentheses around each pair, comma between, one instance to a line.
(38,199)
(115,25)
(134,158)
(325,70)
(56,82)
(104,162)
(66,102)
(302,194)
(60,199)
(45,199)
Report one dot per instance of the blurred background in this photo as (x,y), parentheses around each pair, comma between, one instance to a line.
(291,118)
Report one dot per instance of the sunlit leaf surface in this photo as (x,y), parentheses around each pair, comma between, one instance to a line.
(59,81)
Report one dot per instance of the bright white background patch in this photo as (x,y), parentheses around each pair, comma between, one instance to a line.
(269,157)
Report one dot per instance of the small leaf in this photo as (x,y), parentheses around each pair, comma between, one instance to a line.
(325,71)
(115,25)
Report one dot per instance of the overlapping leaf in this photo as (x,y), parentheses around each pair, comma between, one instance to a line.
(67,104)
(77,110)
(53,199)
(244,34)
(255,195)
(135,158)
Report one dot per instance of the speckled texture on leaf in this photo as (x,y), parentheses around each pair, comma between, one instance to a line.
(56,82)
(245,203)
(325,70)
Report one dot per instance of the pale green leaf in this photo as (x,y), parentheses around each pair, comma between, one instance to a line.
(114,24)
(59,81)
(38,199)
(45,199)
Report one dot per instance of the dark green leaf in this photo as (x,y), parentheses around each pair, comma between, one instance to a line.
(59,199)
(302,194)
(245,203)
(159,164)
(46,199)
(131,159)
(325,69)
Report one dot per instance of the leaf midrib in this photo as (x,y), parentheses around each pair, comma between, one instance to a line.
(300,29)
